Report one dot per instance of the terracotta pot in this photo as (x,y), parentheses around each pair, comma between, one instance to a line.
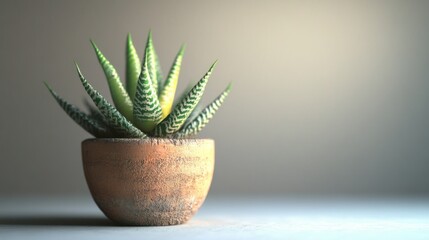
(148,182)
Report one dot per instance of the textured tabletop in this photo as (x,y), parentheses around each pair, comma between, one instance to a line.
(224,218)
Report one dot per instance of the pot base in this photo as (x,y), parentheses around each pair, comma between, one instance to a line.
(141,212)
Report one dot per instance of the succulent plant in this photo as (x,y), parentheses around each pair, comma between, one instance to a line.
(144,107)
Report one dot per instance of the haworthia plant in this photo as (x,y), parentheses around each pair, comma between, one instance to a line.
(144,107)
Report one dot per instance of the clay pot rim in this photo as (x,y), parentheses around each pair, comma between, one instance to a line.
(149,140)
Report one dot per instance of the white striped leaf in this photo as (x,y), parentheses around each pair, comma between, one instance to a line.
(197,110)
(147,110)
(82,119)
(185,92)
(203,118)
(175,120)
(94,113)
(116,121)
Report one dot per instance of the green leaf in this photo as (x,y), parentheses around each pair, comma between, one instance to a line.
(133,68)
(147,110)
(82,119)
(166,98)
(197,110)
(113,117)
(185,92)
(94,113)
(201,120)
(150,57)
(180,113)
(120,96)
(159,75)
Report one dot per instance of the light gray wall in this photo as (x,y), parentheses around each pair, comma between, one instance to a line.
(330,97)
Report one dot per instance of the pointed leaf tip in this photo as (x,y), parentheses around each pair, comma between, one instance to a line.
(47,85)
(229,87)
(77,68)
(93,44)
(149,36)
(182,48)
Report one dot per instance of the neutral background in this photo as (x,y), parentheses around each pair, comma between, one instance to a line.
(330,97)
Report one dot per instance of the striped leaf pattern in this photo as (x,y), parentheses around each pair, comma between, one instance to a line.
(119,95)
(184,93)
(133,68)
(118,123)
(94,113)
(201,120)
(174,121)
(150,57)
(166,98)
(82,119)
(147,110)
(197,110)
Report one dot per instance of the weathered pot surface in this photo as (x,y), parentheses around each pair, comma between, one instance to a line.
(148,181)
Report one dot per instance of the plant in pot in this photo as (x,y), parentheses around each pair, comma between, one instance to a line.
(143,167)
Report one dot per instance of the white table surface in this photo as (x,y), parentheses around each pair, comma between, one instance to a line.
(224,218)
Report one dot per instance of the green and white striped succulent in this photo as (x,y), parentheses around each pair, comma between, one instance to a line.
(144,107)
